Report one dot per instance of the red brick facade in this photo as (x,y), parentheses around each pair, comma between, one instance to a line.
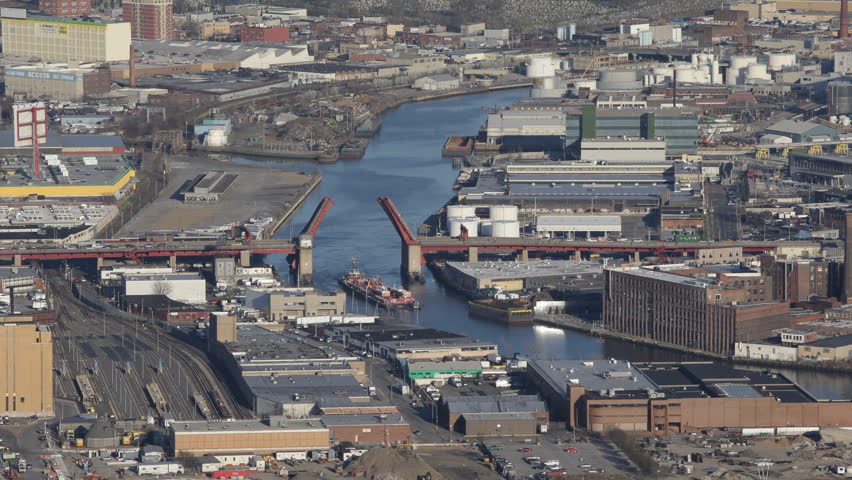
(65,8)
(149,19)
(264,34)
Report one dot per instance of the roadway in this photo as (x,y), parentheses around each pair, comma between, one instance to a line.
(443,244)
(141,250)
(85,336)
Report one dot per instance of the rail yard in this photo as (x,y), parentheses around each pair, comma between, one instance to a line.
(130,369)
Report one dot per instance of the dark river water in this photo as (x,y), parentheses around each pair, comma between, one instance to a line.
(404,162)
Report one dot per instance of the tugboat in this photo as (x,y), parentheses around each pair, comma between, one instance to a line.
(374,290)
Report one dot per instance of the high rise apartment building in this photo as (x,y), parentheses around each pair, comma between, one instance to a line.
(26,368)
(149,19)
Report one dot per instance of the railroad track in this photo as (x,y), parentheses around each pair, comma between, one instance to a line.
(187,371)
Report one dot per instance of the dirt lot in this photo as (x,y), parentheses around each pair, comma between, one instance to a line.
(731,457)
(257,191)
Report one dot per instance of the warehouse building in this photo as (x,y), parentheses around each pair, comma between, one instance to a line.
(287,304)
(22,279)
(208,187)
(693,309)
(437,82)
(186,287)
(65,176)
(281,373)
(568,225)
(57,81)
(454,407)
(165,309)
(826,169)
(230,55)
(425,372)
(498,424)
(801,132)
(367,429)
(53,39)
(831,349)
(26,367)
(557,125)
(276,435)
(532,274)
(670,398)
(410,342)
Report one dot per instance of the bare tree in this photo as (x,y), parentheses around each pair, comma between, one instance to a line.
(163,288)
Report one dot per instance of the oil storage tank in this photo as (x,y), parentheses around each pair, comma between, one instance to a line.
(506,229)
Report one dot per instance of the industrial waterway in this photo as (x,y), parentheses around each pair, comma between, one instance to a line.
(403,161)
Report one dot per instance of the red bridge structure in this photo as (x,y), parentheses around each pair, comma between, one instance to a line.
(166,246)
(414,247)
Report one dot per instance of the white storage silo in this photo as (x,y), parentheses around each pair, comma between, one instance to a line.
(541,67)
(506,229)
(777,61)
(739,62)
(757,71)
(715,76)
(472,225)
(503,212)
(485,228)
(455,211)
(455,227)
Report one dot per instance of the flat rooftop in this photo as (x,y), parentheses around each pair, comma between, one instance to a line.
(494,404)
(18,170)
(248,426)
(664,276)
(592,374)
(304,388)
(259,347)
(528,269)
(363,419)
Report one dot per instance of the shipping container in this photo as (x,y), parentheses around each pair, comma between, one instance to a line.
(159,468)
(231,474)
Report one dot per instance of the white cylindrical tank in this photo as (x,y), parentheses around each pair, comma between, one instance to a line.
(832,119)
(742,61)
(468,211)
(777,61)
(455,227)
(715,76)
(485,228)
(472,225)
(757,71)
(503,212)
(549,83)
(506,229)
(541,67)
(455,211)
(846,122)
(665,71)
(695,60)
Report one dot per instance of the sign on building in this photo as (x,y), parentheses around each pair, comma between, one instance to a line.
(30,122)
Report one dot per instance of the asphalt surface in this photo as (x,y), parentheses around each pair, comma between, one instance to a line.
(723,217)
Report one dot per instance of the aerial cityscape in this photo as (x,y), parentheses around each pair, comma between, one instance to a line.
(446,239)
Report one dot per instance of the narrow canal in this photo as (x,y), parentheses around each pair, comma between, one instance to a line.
(404,162)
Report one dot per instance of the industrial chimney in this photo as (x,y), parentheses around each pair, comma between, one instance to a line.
(847,261)
(132,67)
(844,19)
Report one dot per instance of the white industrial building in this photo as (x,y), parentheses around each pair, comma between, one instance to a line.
(437,82)
(255,56)
(181,287)
(765,351)
(571,224)
(63,40)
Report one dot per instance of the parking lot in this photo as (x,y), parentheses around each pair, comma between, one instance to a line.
(573,457)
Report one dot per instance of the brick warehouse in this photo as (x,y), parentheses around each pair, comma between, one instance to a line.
(365,429)
(686,311)
(670,398)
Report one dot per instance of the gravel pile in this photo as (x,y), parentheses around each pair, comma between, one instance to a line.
(393,464)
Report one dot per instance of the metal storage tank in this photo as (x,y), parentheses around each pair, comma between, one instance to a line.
(541,67)
(472,225)
(620,79)
(742,61)
(455,211)
(506,229)
(777,61)
(503,212)
(757,71)
(455,227)
(485,228)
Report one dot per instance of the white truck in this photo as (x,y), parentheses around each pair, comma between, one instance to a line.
(403,388)
(158,468)
(503,383)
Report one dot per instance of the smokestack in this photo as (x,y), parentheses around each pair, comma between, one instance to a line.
(674,88)
(847,261)
(844,19)
(132,67)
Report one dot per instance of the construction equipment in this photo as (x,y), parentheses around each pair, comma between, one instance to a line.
(841,148)
(762,154)
(815,149)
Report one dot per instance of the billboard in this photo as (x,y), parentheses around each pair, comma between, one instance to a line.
(30,122)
